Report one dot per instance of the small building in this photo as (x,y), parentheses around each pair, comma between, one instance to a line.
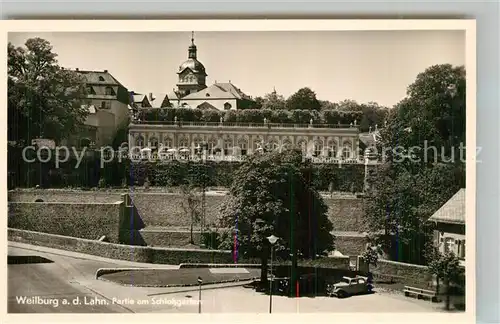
(449,220)
(104,92)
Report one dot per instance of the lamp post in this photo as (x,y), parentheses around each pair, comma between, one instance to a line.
(272,239)
(200,281)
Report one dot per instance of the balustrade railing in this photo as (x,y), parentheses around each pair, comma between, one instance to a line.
(241,124)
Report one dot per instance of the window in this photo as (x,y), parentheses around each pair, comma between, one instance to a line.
(140,141)
(318,148)
(103,105)
(110,91)
(332,149)
(90,90)
(211,146)
(153,142)
(461,249)
(227,106)
(449,245)
(227,145)
(242,143)
(101,78)
(168,143)
(346,152)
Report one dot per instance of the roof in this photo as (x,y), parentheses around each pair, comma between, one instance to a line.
(368,139)
(99,77)
(157,99)
(453,211)
(218,91)
(138,97)
(207,106)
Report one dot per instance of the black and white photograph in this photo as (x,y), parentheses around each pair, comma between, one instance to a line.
(199,171)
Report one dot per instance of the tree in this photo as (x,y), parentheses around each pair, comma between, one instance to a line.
(370,257)
(44,100)
(446,267)
(303,99)
(272,195)
(191,204)
(421,167)
(273,101)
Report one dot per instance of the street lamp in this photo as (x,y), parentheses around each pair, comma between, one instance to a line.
(272,239)
(200,281)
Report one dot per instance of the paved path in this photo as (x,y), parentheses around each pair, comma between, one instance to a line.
(71,275)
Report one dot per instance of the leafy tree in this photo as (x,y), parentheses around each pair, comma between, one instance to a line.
(327,105)
(273,101)
(446,267)
(259,102)
(191,204)
(304,99)
(44,99)
(272,195)
(348,105)
(413,182)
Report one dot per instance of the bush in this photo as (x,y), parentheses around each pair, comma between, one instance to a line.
(89,174)
(255,116)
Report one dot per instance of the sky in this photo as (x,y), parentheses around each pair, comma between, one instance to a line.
(338,65)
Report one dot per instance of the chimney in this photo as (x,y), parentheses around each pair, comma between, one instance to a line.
(151,96)
(77,69)
(105,71)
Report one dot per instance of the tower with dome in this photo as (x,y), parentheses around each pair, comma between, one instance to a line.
(192,75)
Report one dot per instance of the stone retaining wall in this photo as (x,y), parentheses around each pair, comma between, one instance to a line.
(119,251)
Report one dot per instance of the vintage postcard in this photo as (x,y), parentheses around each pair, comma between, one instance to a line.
(198,167)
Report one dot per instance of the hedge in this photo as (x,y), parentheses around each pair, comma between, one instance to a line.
(332,117)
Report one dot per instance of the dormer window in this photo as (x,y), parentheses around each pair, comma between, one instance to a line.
(90,90)
(110,91)
(207,95)
(101,78)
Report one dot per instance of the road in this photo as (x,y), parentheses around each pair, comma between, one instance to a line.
(71,275)
(47,285)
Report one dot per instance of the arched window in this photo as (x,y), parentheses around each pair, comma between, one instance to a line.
(318,148)
(139,141)
(243,145)
(183,143)
(168,143)
(101,78)
(212,143)
(332,149)
(153,142)
(228,143)
(346,152)
(227,106)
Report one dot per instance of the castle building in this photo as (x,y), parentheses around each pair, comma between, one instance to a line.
(231,140)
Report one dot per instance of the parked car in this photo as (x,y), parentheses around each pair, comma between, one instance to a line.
(349,286)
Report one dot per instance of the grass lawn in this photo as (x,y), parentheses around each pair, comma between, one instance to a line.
(177,277)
